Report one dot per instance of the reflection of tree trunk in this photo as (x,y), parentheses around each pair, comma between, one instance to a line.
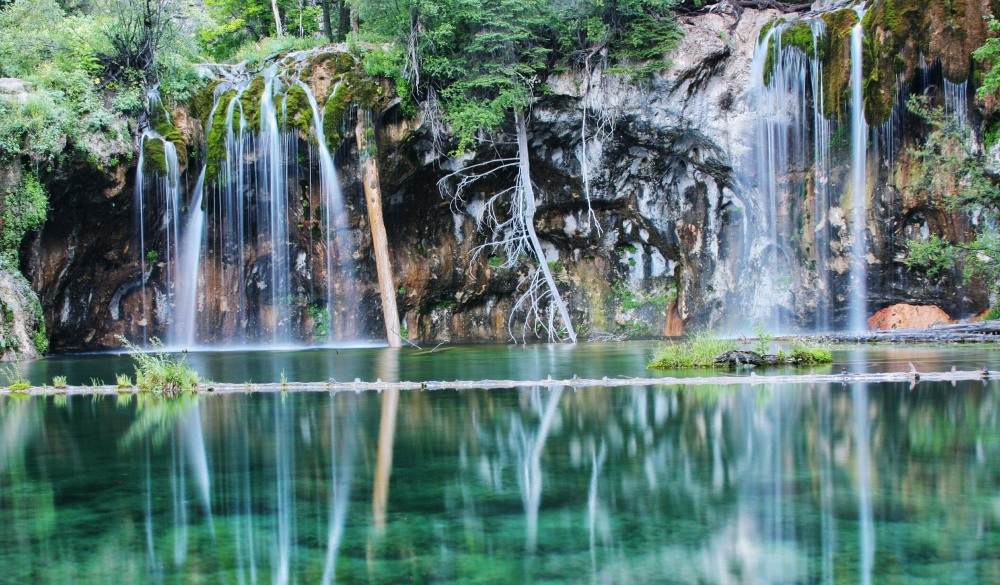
(383,460)
(373,196)
(277,19)
(530,473)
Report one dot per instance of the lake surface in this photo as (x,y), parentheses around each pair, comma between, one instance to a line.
(852,483)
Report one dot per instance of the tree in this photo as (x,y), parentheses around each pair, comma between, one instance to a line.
(139,29)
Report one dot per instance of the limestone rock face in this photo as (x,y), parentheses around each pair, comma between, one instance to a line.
(903,316)
(648,210)
(22,327)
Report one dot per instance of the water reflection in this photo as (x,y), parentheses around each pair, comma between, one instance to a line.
(816,484)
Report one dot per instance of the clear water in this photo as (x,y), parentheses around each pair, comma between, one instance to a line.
(795,484)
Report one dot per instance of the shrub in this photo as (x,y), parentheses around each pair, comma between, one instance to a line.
(698,352)
(15,380)
(160,373)
(805,354)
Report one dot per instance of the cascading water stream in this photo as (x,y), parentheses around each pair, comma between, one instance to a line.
(188,262)
(858,296)
(334,219)
(273,217)
(822,132)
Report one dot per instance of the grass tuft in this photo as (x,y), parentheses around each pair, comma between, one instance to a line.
(697,352)
(59,381)
(806,354)
(123,380)
(160,373)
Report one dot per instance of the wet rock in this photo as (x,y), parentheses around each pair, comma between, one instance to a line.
(738,357)
(904,316)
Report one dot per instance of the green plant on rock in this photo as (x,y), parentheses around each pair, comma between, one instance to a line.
(58,381)
(698,352)
(809,354)
(23,210)
(321,322)
(123,380)
(16,381)
(160,373)
(762,344)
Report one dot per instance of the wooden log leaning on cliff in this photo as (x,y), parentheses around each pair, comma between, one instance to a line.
(367,152)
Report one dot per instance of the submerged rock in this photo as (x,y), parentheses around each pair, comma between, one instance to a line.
(904,316)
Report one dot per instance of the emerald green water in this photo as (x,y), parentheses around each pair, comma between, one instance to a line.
(790,484)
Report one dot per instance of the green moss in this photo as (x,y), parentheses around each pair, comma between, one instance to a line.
(251,101)
(797,35)
(298,112)
(836,49)
(154,157)
(215,151)
(333,114)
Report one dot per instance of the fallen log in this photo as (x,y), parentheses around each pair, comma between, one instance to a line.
(753,379)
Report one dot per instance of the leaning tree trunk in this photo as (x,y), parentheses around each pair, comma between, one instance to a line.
(373,197)
(524,172)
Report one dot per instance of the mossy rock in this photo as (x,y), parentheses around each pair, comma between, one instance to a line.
(796,35)
(837,61)
(154,158)
(215,151)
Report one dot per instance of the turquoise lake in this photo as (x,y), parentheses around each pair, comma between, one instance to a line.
(832,483)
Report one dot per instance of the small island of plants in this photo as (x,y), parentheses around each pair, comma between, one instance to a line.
(705,351)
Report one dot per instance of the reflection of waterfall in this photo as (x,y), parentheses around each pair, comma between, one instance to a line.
(343,445)
(862,446)
(267,253)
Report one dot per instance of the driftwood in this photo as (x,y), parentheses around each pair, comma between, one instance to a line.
(981,332)
(911,376)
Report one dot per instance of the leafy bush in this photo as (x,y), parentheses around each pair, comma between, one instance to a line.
(698,352)
(807,354)
(23,211)
(160,373)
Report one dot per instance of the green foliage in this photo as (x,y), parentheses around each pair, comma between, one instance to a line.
(59,381)
(808,354)
(762,344)
(495,261)
(159,373)
(123,380)
(321,322)
(152,256)
(989,55)
(41,339)
(698,352)
(23,210)
(994,313)
(16,381)
(953,174)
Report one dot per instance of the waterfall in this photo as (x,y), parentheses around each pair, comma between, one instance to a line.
(822,133)
(273,217)
(241,261)
(956,103)
(334,218)
(787,92)
(858,301)
(188,261)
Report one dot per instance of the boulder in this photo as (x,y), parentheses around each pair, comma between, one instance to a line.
(903,316)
